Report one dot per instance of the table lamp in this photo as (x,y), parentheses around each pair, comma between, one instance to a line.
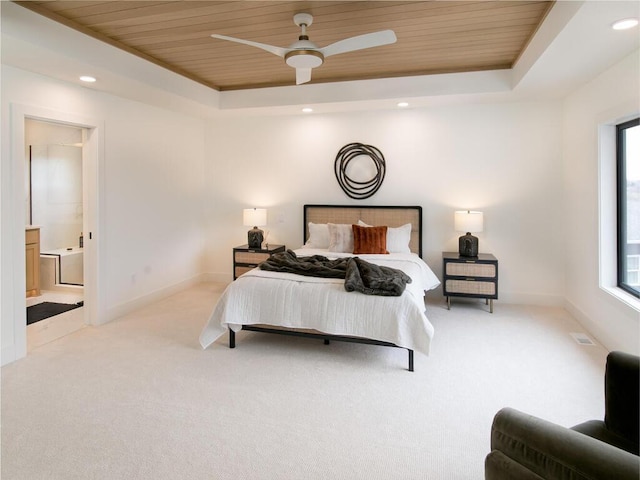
(256,217)
(468,221)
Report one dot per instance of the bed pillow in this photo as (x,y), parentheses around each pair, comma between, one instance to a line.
(369,240)
(318,235)
(340,237)
(398,238)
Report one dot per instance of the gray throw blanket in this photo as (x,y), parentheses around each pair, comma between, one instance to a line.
(359,275)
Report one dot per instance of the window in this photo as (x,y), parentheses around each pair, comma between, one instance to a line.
(628,181)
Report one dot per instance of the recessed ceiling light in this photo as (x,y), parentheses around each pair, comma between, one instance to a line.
(307,109)
(87,78)
(625,24)
(403,104)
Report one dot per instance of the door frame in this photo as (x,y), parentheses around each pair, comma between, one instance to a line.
(92,178)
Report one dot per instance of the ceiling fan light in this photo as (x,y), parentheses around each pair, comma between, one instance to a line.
(304,58)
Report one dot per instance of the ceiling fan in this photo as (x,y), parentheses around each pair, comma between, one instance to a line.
(304,55)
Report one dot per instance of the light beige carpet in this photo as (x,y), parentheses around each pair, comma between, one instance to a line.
(139,399)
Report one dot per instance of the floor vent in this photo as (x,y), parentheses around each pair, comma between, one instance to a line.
(582,339)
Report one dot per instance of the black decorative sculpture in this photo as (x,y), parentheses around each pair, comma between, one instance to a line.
(353,188)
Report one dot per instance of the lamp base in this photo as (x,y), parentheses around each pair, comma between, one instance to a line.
(255,236)
(468,245)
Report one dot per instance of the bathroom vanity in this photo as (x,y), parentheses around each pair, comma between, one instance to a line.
(32,255)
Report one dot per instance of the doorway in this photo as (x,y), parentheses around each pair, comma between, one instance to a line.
(14,331)
(54,218)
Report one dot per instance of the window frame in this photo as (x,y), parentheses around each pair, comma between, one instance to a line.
(621,205)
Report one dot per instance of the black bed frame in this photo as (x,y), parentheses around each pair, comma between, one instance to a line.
(325,336)
(322,336)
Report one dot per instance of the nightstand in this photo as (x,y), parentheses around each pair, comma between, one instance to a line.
(245,258)
(475,277)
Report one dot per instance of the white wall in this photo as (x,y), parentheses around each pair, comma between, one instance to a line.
(503,159)
(151,181)
(610,98)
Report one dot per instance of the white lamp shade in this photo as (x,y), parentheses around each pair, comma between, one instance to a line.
(468,221)
(254,217)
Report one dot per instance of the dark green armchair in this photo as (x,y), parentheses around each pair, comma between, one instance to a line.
(524,447)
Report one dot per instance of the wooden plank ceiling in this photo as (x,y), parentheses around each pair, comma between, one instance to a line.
(433,36)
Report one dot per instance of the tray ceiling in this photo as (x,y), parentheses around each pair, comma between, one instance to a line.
(433,36)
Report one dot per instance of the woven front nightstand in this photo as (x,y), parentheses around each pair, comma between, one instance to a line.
(475,277)
(245,258)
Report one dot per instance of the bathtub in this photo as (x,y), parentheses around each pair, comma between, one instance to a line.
(63,266)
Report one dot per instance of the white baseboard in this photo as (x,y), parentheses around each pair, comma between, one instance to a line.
(587,324)
(218,277)
(518,298)
(8,355)
(140,302)
(540,299)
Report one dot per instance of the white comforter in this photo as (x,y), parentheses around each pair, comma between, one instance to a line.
(289,300)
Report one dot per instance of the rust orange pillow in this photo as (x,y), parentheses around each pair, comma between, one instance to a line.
(369,239)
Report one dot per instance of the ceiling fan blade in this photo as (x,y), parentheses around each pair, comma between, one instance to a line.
(368,40)
(303,75)
(269,48)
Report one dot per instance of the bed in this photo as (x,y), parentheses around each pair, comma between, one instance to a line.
(290,304)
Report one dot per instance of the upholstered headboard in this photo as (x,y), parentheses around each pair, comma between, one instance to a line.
(391,216)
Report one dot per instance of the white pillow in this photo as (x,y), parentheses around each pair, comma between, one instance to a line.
(340,237)
(398,238)
(318,235)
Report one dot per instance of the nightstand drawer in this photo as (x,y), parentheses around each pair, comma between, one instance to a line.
(485,270)
(252,258)
(245,258)
(241,270)
(470,287)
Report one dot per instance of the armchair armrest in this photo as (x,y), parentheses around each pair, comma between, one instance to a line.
(622,396)
(497,466)
(551,451)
